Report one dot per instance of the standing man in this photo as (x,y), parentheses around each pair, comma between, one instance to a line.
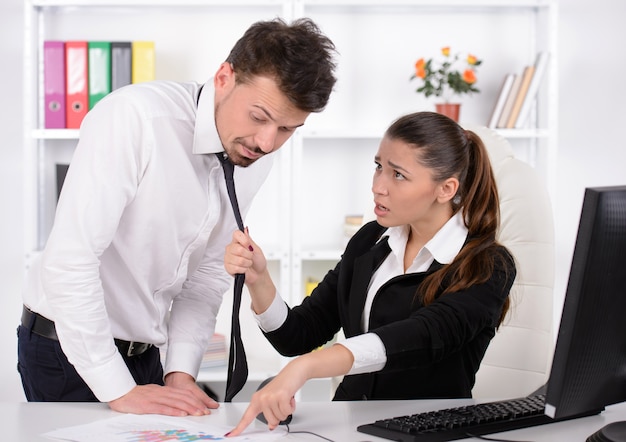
(134,261)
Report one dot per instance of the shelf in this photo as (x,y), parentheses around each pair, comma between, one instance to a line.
(275,255)
(496,4)
(55,134)
(152,3)
(400,6)
(341,134)
(72,134)
(368,135)
(524,133)
(219,374)
(432,3)
(320,255)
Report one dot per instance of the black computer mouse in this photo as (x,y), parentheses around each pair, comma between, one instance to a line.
(261,417)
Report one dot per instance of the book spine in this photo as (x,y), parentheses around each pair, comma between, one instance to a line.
(540,69)
(54,84)
(76,88)
(143,61)
(507,83)
(521,94)
(510,99)
(99,71)
(121,64)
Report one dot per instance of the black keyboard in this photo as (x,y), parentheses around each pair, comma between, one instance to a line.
(462,422)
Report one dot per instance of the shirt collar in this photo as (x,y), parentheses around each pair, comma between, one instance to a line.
(206,139)
(443,247)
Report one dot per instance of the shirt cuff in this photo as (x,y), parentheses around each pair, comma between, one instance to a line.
(275,315)
(369,353)
(182,357)
(109,381)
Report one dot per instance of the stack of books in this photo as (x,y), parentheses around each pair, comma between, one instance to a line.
(517,95)
(78,74)
(215,355)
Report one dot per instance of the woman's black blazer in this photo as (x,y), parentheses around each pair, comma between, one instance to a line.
(432,352)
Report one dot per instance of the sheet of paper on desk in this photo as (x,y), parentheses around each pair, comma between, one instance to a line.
(156,428)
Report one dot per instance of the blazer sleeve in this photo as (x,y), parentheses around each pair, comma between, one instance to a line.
(312,323)
(321,315)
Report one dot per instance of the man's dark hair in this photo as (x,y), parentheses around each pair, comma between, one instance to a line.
(297,55)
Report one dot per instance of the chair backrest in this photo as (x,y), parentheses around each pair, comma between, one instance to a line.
(519,357)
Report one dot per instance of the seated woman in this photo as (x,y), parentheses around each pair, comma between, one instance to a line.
(419,293)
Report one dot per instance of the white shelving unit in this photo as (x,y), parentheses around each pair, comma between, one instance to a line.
(324,173)
(379,43)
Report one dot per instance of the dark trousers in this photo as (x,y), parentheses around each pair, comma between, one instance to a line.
(47,375)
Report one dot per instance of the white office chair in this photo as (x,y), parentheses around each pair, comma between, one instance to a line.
(519,357)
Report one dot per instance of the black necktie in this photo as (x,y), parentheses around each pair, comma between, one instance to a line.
(237,365)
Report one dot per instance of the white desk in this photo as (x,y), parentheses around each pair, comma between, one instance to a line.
(25,422)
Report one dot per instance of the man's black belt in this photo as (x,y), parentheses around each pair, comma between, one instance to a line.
(42,326)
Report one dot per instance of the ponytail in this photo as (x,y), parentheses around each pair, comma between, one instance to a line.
(481,207)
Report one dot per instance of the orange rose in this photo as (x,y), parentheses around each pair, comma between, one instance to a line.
(469,76)
(420,72)
(471,59)
(445,51)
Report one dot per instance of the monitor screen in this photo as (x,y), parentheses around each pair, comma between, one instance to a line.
(589,364)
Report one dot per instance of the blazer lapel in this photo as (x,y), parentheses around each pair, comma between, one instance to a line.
(364,267)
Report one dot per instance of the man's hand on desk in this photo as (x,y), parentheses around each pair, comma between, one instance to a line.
(180,396)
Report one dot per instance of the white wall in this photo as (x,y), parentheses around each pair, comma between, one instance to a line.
(592,150)
(11,257)
(592,143)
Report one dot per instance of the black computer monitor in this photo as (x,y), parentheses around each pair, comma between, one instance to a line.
(589,364)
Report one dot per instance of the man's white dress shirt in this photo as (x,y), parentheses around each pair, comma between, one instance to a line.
(136,250)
